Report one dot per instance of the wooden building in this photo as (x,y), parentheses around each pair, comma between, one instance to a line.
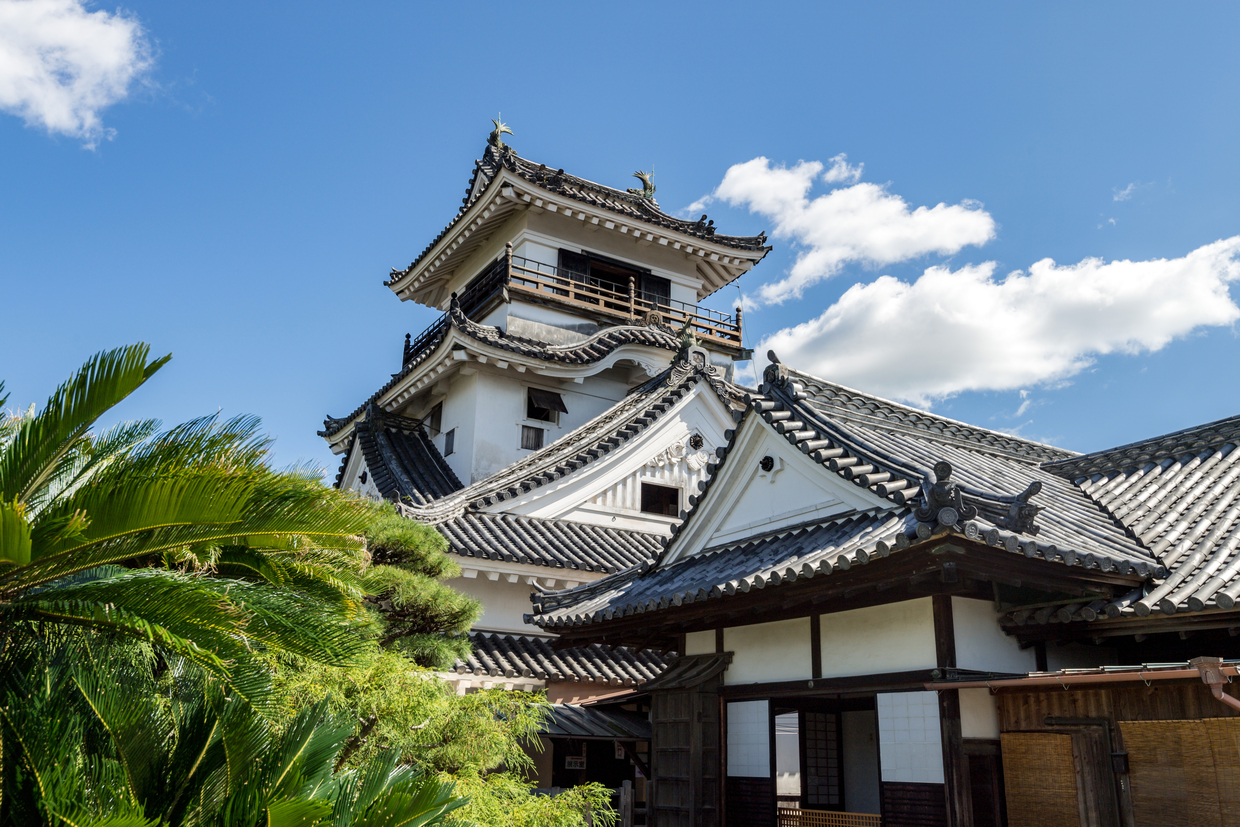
(909,599)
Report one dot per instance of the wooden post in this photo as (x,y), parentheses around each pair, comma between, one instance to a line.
(626,804)
(955,764)
(507,272)
(740,340)
(632,298)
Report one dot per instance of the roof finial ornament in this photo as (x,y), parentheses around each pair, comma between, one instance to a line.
(647,190)
(496,138)
(942,500)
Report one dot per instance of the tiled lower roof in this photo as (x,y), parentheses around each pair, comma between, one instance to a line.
(593,723)
(400,457)
(511,656)
(557,544)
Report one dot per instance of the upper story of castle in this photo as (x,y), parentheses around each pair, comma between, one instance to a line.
(544,254)
(559,296)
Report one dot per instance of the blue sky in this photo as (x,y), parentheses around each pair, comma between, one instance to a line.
(256,169)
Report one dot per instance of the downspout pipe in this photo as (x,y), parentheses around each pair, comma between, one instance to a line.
(1211,671)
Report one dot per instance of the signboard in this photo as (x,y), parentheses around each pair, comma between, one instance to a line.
(575,762)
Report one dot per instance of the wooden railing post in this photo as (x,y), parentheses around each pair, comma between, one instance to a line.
(507,272)
(740,340)
(632,298)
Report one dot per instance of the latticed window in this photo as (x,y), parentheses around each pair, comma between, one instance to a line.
(531,437)
(449,443)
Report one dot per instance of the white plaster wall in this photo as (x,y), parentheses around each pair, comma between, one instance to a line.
(749,739)
(859,751)
(1079,656)
(503,604)
(980,642)
(764,652)
(460,408)
(700,643)
(537,250)
(910,744)
(979,714)
(894,637)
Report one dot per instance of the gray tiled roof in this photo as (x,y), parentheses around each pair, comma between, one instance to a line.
(1179,495)
(557,544)
(579,189)
(510,656)
(771,560)
(591,350)
(892,451)
(401,459)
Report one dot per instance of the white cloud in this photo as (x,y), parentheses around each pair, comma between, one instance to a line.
(62,65)
(1125,193)
(959,330)
(840,171)
(1025,402)
(861,223)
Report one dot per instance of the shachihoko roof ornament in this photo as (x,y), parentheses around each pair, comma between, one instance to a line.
(647,190)
(496,138)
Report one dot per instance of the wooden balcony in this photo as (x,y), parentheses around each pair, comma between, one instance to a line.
(544,284)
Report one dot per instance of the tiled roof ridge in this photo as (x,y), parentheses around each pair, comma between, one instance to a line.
(610,430)
(382,466)
(1190,440)
(563,183)
(908,419)
(597,347)
(497,654)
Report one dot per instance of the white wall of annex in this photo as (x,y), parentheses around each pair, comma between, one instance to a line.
(894,637)
(778,651)
(910,744)
(979,714)
(981,643)
(460,409)
(503,604)
(700,643)
(749,739)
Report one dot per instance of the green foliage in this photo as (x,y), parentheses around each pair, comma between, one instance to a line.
(423,618)
(505,800)
(95,738)
(115,531)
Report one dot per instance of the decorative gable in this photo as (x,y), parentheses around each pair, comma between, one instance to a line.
(767,484)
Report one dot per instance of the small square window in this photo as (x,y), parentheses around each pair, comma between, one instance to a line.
(544,406)
(660,499)
(449,443)
(531,438)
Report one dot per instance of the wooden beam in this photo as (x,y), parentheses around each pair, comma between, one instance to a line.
(815,646)
(955,764)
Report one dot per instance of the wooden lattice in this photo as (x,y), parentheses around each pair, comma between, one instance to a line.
(794,817)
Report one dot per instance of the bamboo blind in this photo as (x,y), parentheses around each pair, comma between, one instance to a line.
(1171,766)
(1224,734)
(796,817)
(1039,775)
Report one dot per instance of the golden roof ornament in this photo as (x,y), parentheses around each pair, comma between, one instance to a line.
(496,138)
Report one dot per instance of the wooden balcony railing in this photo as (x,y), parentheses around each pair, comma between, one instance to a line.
(546,283)
(795,817)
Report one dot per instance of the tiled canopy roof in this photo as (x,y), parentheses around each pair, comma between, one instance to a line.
(511,656)
(593,723)
(593,349)
(403,462)
(557,544)
(579,189)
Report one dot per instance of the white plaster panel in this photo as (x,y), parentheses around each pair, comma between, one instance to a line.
(749,739)
(979,714)
(700,643)
(980,642)
(910,745)
(859,747)
(504,604)
(894,637)
(778,651)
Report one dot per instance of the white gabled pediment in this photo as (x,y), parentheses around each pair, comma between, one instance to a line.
(751,495)
(607,491)
(356,476)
